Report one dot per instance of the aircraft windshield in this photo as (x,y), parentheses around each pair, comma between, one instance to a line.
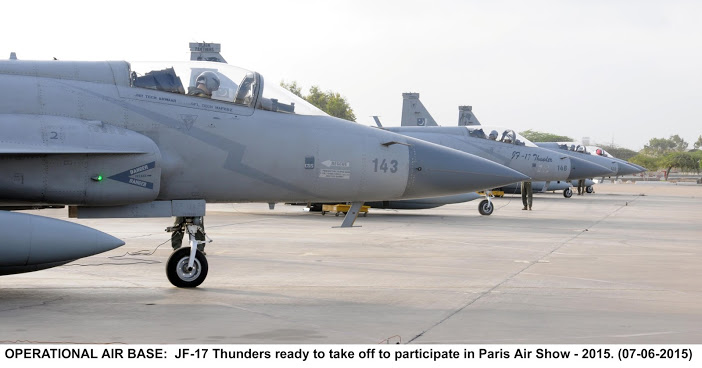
(497,134)
(286,101)
(221,82)
(597,151)
(590,150)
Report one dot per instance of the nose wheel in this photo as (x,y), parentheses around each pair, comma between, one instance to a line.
(485,207)
(179,271)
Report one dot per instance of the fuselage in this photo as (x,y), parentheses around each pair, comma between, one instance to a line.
(617,166)
(535,162)
(86,135)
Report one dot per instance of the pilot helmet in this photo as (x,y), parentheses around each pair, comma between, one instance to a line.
(209,79)
(493,135)
(581,149)
(599,152)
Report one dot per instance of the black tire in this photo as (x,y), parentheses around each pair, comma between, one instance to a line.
(324,213)
(568,192)
(485,207)
(589,189)
(177,272)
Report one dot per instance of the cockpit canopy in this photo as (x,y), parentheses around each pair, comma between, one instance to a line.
(594,150)
(497,134)
(233,85)
(590,150)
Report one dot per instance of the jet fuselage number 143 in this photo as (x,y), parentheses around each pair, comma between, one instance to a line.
(383,165)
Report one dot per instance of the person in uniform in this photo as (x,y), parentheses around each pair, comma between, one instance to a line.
(527,195)
(206,83)
(581,186)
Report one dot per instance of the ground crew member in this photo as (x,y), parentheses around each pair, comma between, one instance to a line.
(581,186)
(179,231)
(527,195)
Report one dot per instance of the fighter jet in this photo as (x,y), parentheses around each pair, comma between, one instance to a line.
(499,145)
(594,154)
(115,139)
(415,114)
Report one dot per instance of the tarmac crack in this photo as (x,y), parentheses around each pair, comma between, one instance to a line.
(42,304)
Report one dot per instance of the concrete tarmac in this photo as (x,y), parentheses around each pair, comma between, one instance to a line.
(622,265)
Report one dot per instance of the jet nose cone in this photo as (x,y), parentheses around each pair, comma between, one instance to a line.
(641,168)
(626,169)
(440,171)
(581,169)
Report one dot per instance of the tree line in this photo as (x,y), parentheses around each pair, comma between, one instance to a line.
(330,102)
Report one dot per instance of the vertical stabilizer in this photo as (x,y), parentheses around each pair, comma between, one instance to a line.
(466,116)
(206,52)
(414,113)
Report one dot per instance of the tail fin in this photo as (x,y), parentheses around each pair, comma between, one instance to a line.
(466,116)
(414,113)
(206,52)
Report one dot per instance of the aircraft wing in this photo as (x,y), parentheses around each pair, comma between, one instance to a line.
(20,149)
(69,161)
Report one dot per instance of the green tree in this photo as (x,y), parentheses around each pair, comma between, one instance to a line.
(619,152)
(682,160)
(661,146)
(330,102)
(679,144)
(535,136)
(698,144)
(292,87)
(697,155)
(649,162)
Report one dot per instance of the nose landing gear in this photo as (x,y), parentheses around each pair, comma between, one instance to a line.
(187,266)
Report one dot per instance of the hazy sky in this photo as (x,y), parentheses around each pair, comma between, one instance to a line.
(622,71)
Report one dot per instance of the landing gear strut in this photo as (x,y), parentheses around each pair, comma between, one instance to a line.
(187,266)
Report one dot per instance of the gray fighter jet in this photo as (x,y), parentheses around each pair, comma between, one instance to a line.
(128,140)
(503,146)
(594,154)
(415,114)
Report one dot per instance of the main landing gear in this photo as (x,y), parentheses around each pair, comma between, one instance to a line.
(187,266)
(567,192)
